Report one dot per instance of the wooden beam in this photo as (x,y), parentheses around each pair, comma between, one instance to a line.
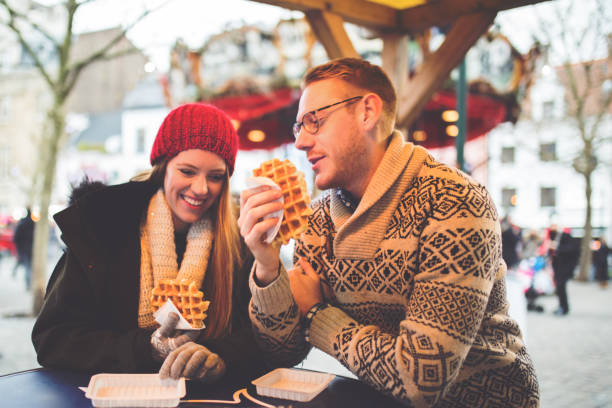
(395,59)
(329,30)
(360,12)
(376,16)
(444,12)
(434,71)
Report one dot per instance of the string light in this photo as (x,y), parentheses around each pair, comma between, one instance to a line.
(256,136)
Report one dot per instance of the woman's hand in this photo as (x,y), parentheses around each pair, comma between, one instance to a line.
(255,204)
(194,362)
(166,338)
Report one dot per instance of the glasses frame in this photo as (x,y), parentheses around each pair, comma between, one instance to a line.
(297,126)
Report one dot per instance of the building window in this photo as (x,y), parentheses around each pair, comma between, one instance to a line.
(508,197)
(548,196)
(548,152)
(507,154)
(140,140)
(548,109)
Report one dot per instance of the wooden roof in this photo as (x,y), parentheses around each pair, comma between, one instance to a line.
(402,16)
(394,21)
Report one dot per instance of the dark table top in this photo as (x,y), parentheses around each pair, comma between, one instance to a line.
(55,388)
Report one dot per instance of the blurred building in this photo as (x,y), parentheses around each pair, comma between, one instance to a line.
(114,146)
(102,86)
(25,99)
(530,173)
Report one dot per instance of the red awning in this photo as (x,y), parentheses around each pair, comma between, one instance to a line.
(484,113)
(272,113)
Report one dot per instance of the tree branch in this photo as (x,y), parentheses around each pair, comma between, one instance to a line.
(32,24)
(37,62)
(64,51)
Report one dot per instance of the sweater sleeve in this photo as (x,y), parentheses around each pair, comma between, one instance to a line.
(458,258)
(276,321)
(71,333)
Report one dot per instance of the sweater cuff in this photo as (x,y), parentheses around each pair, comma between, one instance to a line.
(326,325)
(276,296)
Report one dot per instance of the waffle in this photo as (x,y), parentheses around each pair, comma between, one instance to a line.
(296,207)
(185,296)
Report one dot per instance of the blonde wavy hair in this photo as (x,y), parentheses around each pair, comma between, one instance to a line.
(226,254)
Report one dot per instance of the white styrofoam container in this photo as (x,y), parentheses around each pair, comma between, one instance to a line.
(134,390)
(292,384)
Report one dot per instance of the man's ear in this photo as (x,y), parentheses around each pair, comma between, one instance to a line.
(373,107)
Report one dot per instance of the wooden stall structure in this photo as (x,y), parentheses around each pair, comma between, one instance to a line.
(394,21)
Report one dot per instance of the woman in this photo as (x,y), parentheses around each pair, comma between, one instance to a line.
(176,221)
(600,261)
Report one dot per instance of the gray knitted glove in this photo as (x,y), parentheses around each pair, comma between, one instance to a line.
(166,339)
(193,361)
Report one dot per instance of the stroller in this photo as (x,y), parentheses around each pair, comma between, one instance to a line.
(536,276)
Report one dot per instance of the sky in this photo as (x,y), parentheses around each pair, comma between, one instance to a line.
(521,24)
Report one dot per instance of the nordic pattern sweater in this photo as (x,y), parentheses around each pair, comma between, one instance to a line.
(419,308)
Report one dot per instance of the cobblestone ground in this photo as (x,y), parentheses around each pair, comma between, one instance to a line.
(572,353)
(16,351)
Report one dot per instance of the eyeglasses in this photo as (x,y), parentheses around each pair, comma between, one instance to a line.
(311,123)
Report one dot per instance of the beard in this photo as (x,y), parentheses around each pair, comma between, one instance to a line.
(349,164)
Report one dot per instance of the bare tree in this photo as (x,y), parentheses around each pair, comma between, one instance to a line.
(60,78)
(585,52)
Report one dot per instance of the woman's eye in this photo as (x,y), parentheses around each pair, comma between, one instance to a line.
(217,177)
(187,172)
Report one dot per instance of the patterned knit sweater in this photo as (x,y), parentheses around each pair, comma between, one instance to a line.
(419,307)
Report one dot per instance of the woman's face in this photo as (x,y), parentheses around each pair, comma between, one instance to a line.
(194,180)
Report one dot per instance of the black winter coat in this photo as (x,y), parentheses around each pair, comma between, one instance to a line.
(566,257)
(89,320)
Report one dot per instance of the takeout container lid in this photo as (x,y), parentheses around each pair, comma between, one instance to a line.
(134,390)
(292,384)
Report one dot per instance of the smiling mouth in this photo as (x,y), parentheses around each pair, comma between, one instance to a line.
(315,160)
(193,202)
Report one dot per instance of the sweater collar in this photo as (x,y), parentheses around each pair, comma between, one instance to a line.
(400,163)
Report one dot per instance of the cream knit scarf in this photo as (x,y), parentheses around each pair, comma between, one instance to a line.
(158,253)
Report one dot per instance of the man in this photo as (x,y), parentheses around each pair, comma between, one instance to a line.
(399,275)
(565,254)
(24,240)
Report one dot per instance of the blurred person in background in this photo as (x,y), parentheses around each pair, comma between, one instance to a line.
(511,243)
(399,275)
(530,245)
(565,254)
(532,263)
(24,242)
(600,261)
(175,221)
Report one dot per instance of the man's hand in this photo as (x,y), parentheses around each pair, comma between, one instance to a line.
(255,204)
(193,361)
(305,285)
(166,339)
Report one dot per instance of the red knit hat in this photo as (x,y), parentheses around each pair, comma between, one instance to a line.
(196,126)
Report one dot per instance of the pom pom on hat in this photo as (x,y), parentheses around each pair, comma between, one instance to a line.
(196,126)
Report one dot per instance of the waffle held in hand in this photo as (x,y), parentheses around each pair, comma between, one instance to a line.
(296,201)
(185,296)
